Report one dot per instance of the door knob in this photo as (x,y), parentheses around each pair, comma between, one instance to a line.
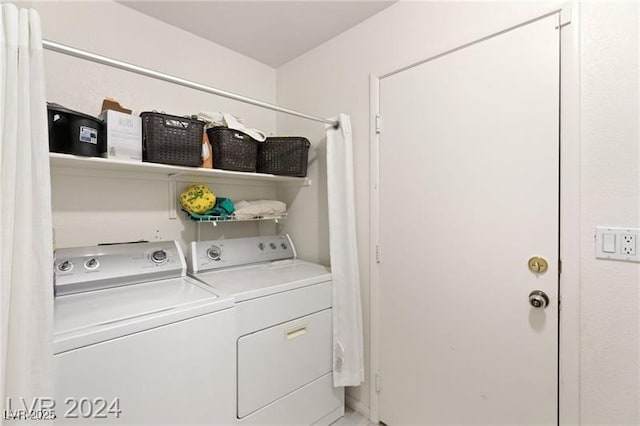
(538,299)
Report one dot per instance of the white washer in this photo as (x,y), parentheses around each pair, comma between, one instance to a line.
(132,332)
(284,333)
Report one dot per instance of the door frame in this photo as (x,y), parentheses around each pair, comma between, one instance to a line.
(569,315)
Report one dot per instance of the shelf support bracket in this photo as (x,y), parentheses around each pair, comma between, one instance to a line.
(173,196)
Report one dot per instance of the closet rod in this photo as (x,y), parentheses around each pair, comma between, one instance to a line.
(82,54)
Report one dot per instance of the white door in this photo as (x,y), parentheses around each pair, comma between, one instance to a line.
(469,188)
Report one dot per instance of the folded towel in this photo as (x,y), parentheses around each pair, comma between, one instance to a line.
(215,119)
(252,209)
(222,209)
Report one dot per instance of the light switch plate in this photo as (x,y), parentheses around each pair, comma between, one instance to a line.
(617,243)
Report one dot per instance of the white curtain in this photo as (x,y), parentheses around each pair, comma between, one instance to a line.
(348,352)
(26,252)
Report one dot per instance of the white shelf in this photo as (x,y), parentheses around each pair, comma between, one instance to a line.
(92,164)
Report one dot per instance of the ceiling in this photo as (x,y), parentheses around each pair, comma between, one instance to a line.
(272,32)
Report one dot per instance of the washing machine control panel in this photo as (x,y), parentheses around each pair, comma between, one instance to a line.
(215,254)
(81,269)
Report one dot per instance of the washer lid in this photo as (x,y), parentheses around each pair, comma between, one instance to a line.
(86,318)
(249,282)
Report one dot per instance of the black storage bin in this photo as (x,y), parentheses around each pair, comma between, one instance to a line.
(233,149)
(284,156)
(72,132)
(170,139)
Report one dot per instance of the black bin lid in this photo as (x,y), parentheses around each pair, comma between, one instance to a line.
(51,106)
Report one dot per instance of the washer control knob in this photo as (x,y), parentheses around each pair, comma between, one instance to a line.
(91,263)
(261,246)
(283,245)
(65,266)
(159,256)
(272,245)
(214,253)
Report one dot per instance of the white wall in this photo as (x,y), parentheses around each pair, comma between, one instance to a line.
(88,210)
(609,196)
(335,78)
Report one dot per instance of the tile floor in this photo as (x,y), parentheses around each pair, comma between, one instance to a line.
(352,418)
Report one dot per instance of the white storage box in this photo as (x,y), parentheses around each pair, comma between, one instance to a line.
(124,136)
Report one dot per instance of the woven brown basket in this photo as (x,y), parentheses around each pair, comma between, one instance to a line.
(170,139)
(233,149)
(284,156)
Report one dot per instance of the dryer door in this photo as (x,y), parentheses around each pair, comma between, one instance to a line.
(279,360)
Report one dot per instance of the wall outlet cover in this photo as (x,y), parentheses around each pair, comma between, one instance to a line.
(617,243)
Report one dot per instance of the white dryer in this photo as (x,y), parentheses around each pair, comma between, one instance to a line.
(138,342)
(284,333)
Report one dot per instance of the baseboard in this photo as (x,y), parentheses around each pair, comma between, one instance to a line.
(331,417)
(357,406)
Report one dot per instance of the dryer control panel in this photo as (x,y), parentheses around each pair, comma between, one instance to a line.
(216,254)
(81,269)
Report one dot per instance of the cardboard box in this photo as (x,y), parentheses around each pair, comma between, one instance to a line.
(124,136)
(114,105)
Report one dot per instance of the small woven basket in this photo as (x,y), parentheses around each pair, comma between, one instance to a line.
(233,149)
(170,139)
(284,156)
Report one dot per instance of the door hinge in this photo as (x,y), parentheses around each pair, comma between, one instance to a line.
(378,253)
(378,382)
(378,124)
(559,266)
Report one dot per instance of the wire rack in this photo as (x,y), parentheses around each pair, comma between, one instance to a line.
(218,219)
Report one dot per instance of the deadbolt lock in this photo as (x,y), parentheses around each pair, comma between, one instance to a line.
(538,265)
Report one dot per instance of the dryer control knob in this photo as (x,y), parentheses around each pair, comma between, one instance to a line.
(159,256)
(214,253)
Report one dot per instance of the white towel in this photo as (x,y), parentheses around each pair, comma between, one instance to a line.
(348,353)
(225,119)
(251,209)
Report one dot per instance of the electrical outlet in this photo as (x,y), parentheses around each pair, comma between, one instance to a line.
(617,243)
(628,244)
